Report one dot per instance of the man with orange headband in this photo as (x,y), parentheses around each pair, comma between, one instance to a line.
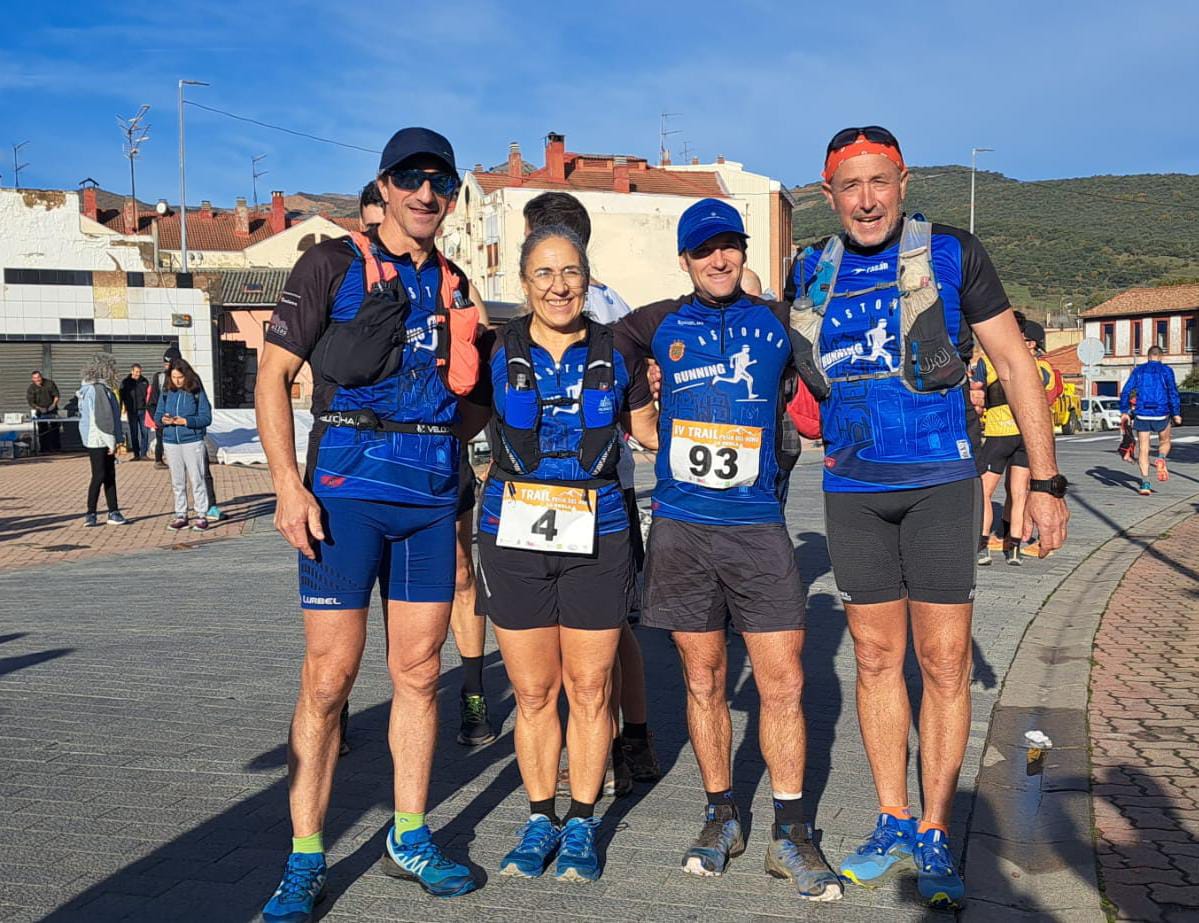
(884,321)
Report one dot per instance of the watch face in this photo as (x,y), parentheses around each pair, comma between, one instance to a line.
(1058,485)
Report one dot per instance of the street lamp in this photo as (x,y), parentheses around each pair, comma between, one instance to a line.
(974,152)
(183,175)
(1063,306)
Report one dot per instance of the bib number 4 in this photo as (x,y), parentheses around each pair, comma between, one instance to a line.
(547,517)
(715,455)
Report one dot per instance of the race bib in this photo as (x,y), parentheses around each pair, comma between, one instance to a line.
(547,517)
(717,455)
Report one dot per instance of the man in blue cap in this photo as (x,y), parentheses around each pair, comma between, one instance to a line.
(718,547)
(388,325)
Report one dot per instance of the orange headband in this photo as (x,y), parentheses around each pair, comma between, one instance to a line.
(860,146)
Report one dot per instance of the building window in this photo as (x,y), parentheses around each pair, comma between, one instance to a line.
(1162,335)
(1188,335)
(1108,335)
(1137,328)
(76,327)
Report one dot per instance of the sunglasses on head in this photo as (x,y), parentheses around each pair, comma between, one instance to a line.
(444,184)
(847,136)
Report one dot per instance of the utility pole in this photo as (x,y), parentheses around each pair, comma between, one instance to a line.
(255,173)
(664,133)
(183,176)
(136,134)
(974,152)
(16,166)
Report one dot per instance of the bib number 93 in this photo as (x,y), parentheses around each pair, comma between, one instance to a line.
(701,458)
(715,455)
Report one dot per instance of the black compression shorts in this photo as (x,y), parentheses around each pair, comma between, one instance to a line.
(916,543)
(697,576)
(467,483)
(1000,451)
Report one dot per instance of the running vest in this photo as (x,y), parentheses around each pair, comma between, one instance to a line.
(516,433)
(368,348)
(929,360)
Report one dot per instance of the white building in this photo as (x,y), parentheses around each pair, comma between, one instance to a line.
(74,287)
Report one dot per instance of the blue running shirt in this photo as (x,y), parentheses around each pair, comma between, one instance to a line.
(722,373)
(878,434)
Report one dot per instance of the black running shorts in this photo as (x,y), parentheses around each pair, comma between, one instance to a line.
(467,483)
(520,589)
(1000,451)
(698,576)
(917,543)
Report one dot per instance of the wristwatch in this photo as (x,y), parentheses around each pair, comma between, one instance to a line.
(1054,486)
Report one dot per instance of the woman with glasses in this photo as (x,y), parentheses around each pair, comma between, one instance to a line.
(555,563)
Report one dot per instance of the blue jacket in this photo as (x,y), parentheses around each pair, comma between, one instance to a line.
(192,407)
(1156,391)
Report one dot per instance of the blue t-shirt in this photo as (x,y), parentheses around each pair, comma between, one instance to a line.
(878,434)
(327,284)
(561,428)
(720,365)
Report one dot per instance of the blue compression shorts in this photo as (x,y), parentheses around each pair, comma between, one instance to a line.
(408,549)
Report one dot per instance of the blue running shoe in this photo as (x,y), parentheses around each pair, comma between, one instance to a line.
(415,857)
(937,879)
(794,854)
(538,843)
(302,887)
(890,845)
(718,842)
(577,859)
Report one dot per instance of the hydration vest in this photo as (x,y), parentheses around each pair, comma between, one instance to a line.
(929,360)
(369,347)
(516,436)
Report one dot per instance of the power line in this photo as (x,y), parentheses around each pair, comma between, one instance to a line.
(290,131)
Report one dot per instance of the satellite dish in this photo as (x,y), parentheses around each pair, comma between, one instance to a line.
(161,207)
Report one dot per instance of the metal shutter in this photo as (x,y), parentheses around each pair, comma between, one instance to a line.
(66,361)
(147,355)
(17,362)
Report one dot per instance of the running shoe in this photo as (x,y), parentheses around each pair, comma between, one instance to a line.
(476,728)
(415,857)
(1013,556)
(984,554)
(577,858)
(200,525)
(178,524)
(719,841)
(1162,473)
(793,854)
(641,758)
(90,520)
(160,464)
(116,519)
(302,887)
(538,842)
(889,846)
(1145,489)
(936,878)
(214,513)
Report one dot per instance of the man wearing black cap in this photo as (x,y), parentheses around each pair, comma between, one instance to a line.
(718,547)
(388,326)
(156,388)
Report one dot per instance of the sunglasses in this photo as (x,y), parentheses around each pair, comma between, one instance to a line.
(444,184)
(875,133)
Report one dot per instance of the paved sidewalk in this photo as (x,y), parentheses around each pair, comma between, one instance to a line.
(1144,720)
(43,499)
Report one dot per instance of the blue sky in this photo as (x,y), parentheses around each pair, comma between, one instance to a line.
(1058,89)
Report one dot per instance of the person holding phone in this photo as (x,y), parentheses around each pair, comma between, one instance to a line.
(184,414)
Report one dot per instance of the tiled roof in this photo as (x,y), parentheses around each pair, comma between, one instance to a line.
(215,233)
(250,287)
(1065,360)
(1148,301)
(595,179)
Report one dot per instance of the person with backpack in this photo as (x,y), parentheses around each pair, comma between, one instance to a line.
(100,431)
(183,414)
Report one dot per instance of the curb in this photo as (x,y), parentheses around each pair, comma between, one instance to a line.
(1030,838)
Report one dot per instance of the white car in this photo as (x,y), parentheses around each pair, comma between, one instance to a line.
(1103,413)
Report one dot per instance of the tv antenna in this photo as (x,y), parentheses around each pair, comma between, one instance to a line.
(664,133)
(136,134)
(17,167)
(255,173)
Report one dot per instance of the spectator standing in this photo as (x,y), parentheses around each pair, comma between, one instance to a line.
(42,397)
(157,386)
(135,393)
(183,415)
(100,431)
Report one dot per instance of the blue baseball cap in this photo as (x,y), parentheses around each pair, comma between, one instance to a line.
(410,142)
(705,219)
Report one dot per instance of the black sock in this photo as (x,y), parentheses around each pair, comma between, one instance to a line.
(635,731)
(983,542)
(579,809)
(788,811)
(618,757)
(721,799)
(1004,528)
(546,808)
(472,675)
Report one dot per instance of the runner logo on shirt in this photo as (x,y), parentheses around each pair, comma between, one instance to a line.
(740,361)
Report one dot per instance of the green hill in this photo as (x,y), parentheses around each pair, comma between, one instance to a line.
(1075,240)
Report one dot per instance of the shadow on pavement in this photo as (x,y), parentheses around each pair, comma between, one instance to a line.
(13,664)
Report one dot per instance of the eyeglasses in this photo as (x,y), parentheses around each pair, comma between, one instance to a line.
(543,278)
(444,184)
(875,133)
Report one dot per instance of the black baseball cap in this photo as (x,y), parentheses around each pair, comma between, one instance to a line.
(410,142)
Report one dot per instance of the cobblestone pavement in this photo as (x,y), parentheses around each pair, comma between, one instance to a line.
(143,714)
(43,499)
(1144,719)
